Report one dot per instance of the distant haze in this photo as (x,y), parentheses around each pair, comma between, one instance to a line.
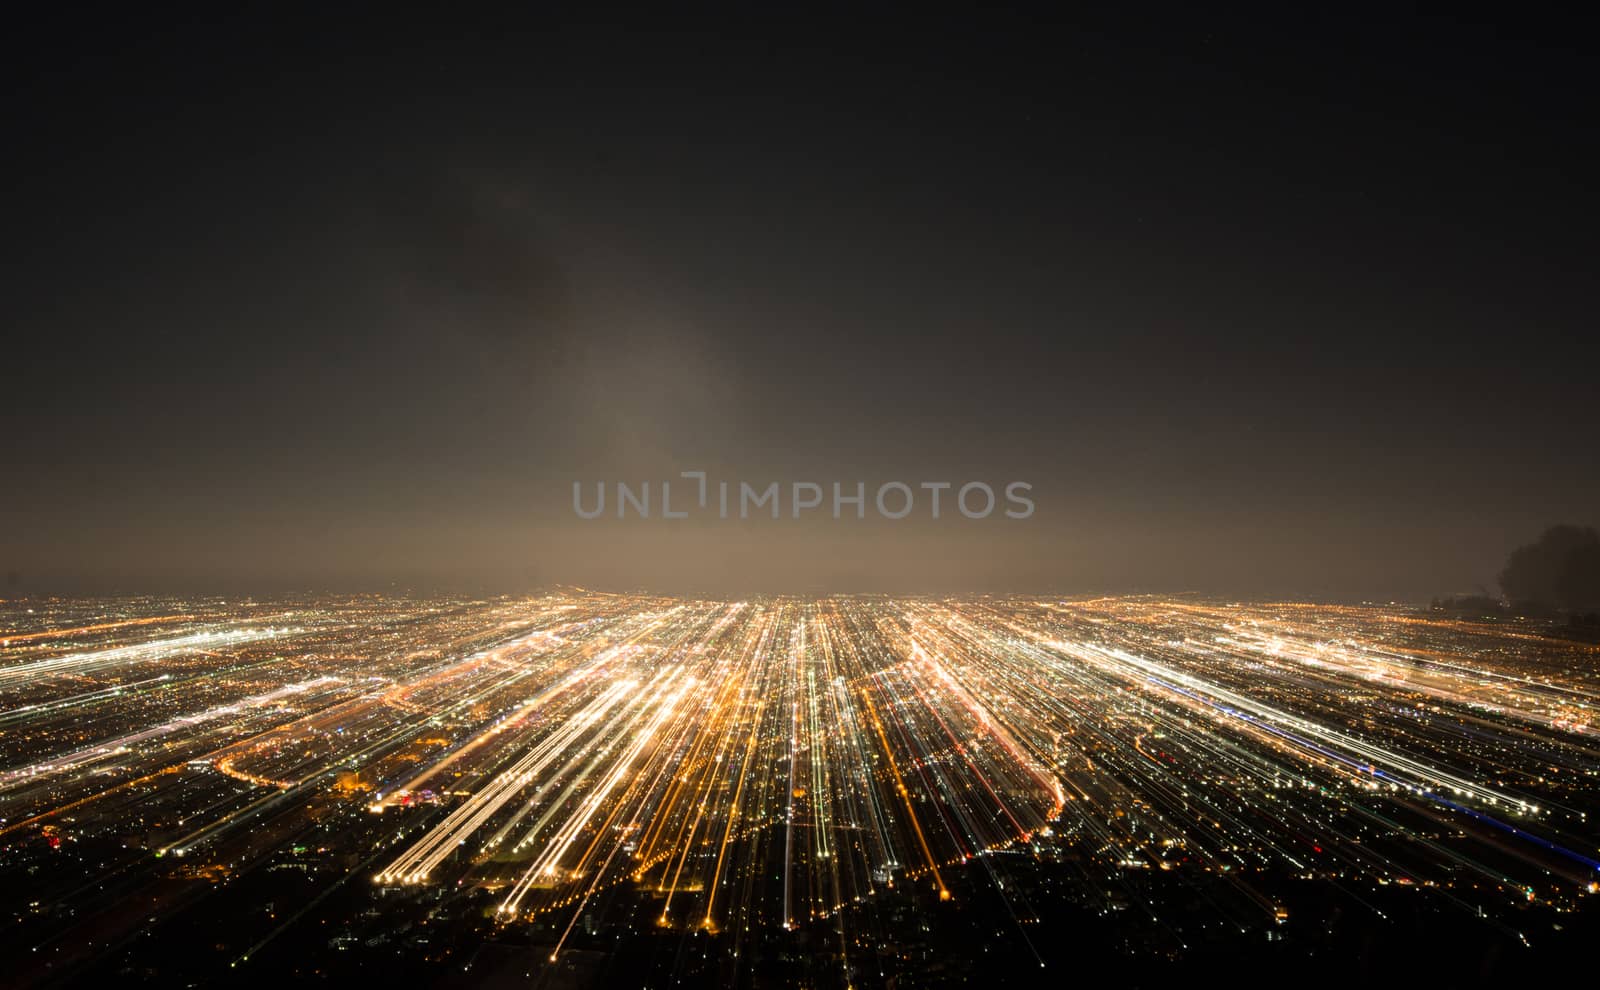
(1257,311)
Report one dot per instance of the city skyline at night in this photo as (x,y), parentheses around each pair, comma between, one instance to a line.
(595,787)
(792,498)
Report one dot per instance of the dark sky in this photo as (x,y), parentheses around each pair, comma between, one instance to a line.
(1259,307)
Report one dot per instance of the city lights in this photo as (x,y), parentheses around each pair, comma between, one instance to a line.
(742,770)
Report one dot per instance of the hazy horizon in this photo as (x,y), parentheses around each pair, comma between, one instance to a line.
(1257,307)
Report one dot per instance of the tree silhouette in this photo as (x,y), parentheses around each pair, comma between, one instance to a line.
(1561,570)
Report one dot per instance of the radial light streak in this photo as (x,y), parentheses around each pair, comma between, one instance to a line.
(787,763)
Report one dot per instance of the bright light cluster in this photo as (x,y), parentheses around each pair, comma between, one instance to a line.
(776,762)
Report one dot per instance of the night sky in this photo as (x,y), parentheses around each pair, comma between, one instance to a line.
(1282,308)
